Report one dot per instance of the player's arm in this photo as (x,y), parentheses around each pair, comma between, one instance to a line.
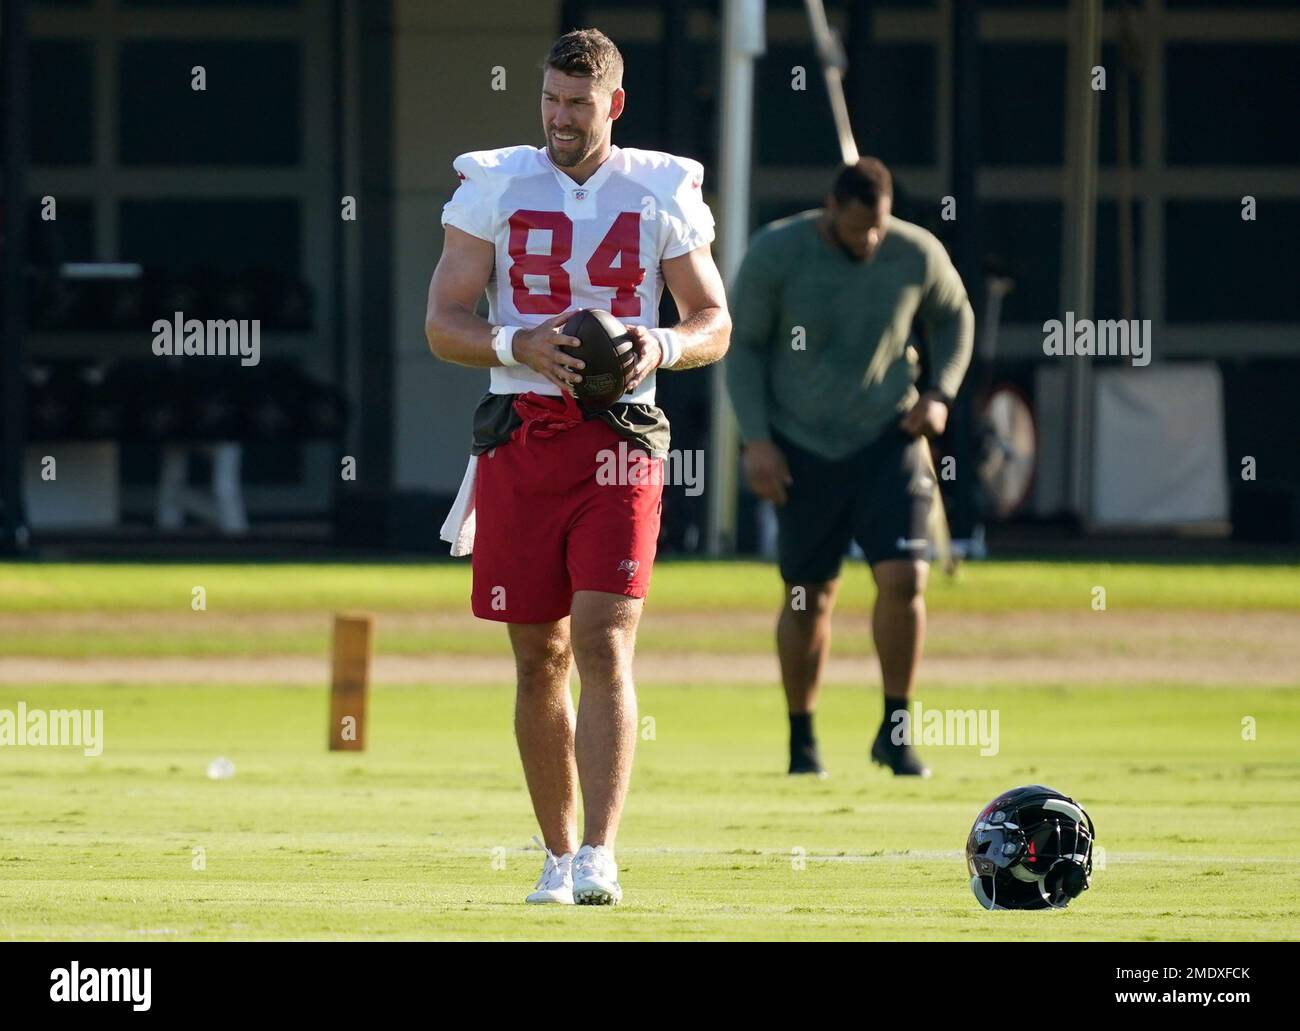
(704,332)
(950,330)
(456,334)
(756,294)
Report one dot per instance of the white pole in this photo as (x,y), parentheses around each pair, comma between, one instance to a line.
(833,62)
(742,41)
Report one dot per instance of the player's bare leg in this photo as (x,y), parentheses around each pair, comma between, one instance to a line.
(803,640)
(898,627)
(544,729)
(898,622)
(603,629)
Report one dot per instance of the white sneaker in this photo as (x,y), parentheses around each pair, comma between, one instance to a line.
(556,883)
(595,877)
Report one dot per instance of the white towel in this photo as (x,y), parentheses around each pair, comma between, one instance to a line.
(458,528)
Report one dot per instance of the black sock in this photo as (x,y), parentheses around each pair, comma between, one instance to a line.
(801,731)
(896,714)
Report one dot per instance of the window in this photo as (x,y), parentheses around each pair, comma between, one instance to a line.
(222,234)
(806,111)
(68,237)
(898,122)
(1216,269)
(1108,112)
(62,109)
(1107,302)
(1022,107)
(1232,104)
(250,113)
(1026,236)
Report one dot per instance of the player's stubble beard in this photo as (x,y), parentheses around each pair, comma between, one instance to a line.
(575,155)
(830,231)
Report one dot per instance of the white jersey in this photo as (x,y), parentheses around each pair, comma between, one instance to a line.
(561,245)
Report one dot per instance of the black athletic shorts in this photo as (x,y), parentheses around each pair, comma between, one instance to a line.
(879,496)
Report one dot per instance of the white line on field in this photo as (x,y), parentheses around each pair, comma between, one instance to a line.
(919,855)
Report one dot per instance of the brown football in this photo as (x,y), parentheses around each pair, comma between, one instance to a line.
(608,355)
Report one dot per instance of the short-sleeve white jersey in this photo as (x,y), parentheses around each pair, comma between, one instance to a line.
(562,245)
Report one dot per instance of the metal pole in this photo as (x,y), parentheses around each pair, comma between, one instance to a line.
(13,232)
(1080,233)
(830,53)
(742,41)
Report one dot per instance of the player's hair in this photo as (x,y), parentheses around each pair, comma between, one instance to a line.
(588,52)
(867,180)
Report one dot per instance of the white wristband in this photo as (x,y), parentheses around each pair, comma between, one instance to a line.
(670,343)
(503,344)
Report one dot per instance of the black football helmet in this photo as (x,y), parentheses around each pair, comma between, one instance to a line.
(1030,848)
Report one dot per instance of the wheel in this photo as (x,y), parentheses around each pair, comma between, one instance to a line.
(1009,450)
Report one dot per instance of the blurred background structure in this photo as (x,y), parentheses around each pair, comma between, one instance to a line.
(302,186)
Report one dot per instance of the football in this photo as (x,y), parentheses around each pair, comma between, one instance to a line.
(607,353)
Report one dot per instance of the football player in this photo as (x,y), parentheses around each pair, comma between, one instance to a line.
(564,560)
(825,387)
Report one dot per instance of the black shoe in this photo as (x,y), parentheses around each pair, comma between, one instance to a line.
(902,759)
(806,760)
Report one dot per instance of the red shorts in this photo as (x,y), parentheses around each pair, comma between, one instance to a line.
(562,508)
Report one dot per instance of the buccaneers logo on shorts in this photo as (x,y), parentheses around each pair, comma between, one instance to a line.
(629,566)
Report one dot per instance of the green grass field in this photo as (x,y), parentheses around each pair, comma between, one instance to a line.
(426,834)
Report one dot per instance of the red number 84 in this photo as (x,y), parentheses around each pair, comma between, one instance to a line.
(622,243)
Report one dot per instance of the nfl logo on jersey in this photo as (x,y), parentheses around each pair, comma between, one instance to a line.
(579,194)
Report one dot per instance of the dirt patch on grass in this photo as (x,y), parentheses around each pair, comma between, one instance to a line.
(1039,647)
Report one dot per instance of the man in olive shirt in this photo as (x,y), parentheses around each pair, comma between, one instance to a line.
(825,389)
